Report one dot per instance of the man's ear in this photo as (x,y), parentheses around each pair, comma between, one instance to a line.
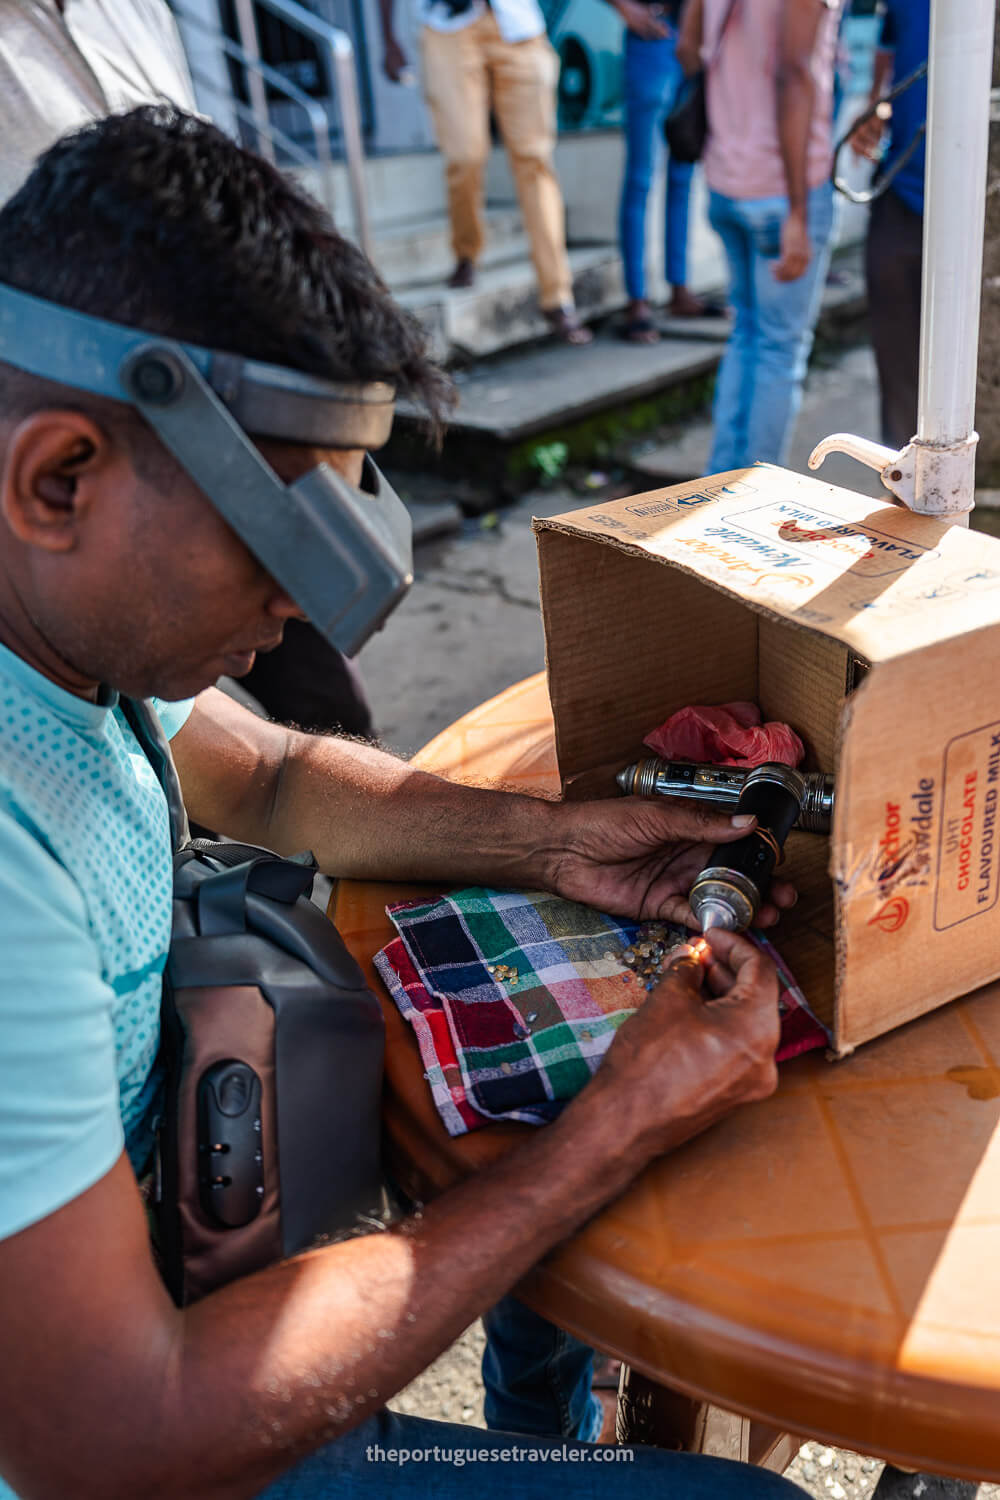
(52,467)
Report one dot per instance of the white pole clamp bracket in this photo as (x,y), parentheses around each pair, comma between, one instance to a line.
(931,479)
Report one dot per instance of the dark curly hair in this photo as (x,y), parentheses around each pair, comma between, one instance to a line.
(157,219)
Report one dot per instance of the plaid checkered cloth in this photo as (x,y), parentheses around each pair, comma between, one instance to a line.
(515,996)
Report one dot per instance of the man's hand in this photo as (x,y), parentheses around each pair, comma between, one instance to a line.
(644,20)
(866,137)
(685,1059)
(637,857)
(796,251)
(688,54)
(395,61)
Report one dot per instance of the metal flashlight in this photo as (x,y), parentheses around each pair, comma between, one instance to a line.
(734,884)
(723,786)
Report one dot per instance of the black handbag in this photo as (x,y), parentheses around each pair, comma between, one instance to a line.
(272,1047)
(685,127)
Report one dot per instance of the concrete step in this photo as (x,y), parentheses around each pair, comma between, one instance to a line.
(525,415)
(419,253)
(401,188)
(564,405)
(501,309)
(534,390)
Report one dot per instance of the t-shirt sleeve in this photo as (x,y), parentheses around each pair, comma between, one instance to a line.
(60,1125)
(173,716)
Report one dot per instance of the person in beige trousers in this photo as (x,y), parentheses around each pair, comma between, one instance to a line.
(477,58)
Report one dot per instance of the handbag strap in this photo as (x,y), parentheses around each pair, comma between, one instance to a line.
(144,722)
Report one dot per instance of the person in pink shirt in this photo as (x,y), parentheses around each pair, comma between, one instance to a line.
(769,87)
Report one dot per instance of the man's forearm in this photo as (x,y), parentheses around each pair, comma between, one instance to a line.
(215,1401)
(689,35)
(799,30)
(796,101)
(366,814)
(362,812)
(882,71)
(275,1365)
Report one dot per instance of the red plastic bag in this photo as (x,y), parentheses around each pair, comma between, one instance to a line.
(728,735)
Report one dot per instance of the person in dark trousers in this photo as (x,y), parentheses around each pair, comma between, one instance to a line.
(894,250)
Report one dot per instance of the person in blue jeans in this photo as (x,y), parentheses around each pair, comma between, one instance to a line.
(769,91)
(759,387)
(652,76)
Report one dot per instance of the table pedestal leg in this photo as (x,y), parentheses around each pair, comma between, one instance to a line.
(662,1418)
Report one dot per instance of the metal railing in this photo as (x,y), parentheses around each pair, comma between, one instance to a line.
(270,135)
(339,50)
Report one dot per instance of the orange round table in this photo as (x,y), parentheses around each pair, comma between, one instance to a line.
(827,1261)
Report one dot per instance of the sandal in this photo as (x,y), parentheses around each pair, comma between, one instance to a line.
(566,326)
(463,275)
(700,307)
(641,330)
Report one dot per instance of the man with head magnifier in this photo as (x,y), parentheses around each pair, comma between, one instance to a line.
(342,551)
(193,369)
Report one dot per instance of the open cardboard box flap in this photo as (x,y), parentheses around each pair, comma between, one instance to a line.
(767,586)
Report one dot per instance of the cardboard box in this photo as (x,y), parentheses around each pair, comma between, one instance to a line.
(764,585)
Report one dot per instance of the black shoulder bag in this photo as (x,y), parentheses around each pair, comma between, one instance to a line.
(272,1045)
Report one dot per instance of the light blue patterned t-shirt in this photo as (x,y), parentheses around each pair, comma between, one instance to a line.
(85,891)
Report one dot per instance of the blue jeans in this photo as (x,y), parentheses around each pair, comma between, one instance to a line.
(652,77)
(444,1461)
(538,1402)
(759,389)
(537,1377)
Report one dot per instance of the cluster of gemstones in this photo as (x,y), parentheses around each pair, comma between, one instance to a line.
(506,973)
(645,957)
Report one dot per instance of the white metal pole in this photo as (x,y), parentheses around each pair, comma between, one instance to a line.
(958,115)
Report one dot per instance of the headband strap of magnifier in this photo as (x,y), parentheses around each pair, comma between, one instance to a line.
(270,401)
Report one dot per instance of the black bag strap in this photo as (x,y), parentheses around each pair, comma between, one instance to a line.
(144,722)
(222,897)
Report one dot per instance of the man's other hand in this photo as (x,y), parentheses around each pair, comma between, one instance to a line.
(866,137)
(796,251)
(701,1044)
(395,62)
(643,20)
(638,856)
